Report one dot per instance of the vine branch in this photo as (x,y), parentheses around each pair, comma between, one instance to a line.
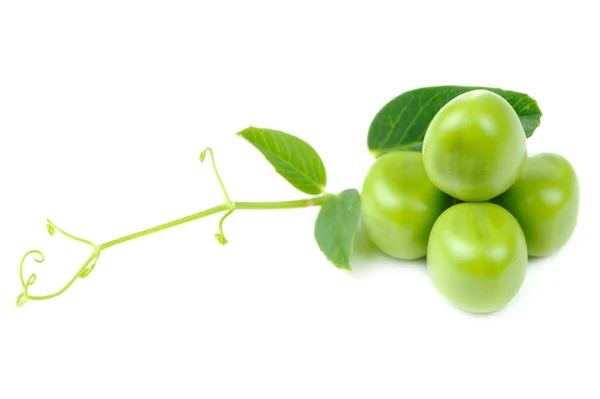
(228,206)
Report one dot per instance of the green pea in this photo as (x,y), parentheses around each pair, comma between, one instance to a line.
(477,256)
(474,148)
(545,201)
(399,204)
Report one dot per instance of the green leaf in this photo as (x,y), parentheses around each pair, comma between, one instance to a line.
(293,158)
(336,227)
(401,124)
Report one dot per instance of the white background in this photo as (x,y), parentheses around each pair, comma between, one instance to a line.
(104,109)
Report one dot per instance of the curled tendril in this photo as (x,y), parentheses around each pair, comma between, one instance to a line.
(84,272)
(203,153)
(39,257)
(90,263)
(214,166)
(220,236)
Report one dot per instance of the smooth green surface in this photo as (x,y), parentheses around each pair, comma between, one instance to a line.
(402,122)
(477,256)
(399,204)
(336,225)
(293,158)
(545,201)
(475,147)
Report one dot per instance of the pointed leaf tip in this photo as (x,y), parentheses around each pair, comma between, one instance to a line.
(336,226)
(293,158)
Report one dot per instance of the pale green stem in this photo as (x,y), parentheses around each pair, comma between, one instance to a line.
(90,263)
(220,208)
(303,203)
(164,226)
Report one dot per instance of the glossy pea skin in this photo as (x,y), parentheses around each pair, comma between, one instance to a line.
(474,148)
(399,204)
(477,256)
(545,201)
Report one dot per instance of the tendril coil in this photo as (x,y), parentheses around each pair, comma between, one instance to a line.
(84,271)
(220,236)
(90,263)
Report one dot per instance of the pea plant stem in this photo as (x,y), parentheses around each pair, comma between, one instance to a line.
(228,206)
(315,201)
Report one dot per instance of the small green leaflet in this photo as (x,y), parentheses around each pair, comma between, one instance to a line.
(401,124)
(293,158)
(336,227)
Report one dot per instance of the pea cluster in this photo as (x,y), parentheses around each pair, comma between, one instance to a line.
(473,202)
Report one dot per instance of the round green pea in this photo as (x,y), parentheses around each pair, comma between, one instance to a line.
(399,204)
(474,148)
(477,256)
(545,201)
